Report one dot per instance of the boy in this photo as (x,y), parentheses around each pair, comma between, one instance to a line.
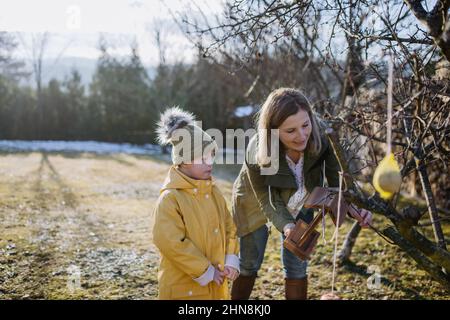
(193,228)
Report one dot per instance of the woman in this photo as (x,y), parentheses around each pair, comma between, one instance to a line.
(304,153)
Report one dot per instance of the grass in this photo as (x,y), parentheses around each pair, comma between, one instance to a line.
(67,213)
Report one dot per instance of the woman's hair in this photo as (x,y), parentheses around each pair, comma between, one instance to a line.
(279,105)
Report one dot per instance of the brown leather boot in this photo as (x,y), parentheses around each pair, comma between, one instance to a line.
(296,289)
(242,287)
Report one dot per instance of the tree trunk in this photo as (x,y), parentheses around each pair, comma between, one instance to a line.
(431,204)
(349,242)
(429,256)
(432,269)
(436,21)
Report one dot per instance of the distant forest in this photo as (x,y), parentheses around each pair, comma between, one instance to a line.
(122,103)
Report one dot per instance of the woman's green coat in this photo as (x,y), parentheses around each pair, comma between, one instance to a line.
(251,205)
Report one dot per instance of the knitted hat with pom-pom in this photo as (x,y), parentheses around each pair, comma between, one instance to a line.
(189,142)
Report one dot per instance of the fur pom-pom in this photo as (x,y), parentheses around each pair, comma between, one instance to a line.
(172,119)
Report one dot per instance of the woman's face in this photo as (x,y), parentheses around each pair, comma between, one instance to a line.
(295,131)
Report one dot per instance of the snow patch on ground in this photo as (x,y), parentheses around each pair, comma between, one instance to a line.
(78,146)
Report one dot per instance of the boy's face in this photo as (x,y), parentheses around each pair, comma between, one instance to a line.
(200,169)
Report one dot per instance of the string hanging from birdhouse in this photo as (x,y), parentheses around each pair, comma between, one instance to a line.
(323,206)
(336,233)
(323,211)
(331,295)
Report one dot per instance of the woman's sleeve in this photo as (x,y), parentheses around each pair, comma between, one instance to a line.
(332,167)
(169,235)
(274,210)
(232,243)
(232,246)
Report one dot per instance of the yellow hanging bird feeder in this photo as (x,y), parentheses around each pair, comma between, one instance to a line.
(387,178)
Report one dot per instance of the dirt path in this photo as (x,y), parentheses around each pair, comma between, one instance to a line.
(77,219)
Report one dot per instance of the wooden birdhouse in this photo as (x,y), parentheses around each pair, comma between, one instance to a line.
(303,238)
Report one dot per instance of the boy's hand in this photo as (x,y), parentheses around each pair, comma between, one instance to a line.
(218,276)
(231,273)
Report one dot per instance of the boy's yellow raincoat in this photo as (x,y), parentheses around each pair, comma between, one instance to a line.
(193,229)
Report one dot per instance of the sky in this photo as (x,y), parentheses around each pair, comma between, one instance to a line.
(74,26)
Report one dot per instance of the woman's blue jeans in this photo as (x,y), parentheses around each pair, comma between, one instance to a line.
(252,247)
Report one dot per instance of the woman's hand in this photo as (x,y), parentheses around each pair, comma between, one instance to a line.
(362,215)
(288,229)
(230,272)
